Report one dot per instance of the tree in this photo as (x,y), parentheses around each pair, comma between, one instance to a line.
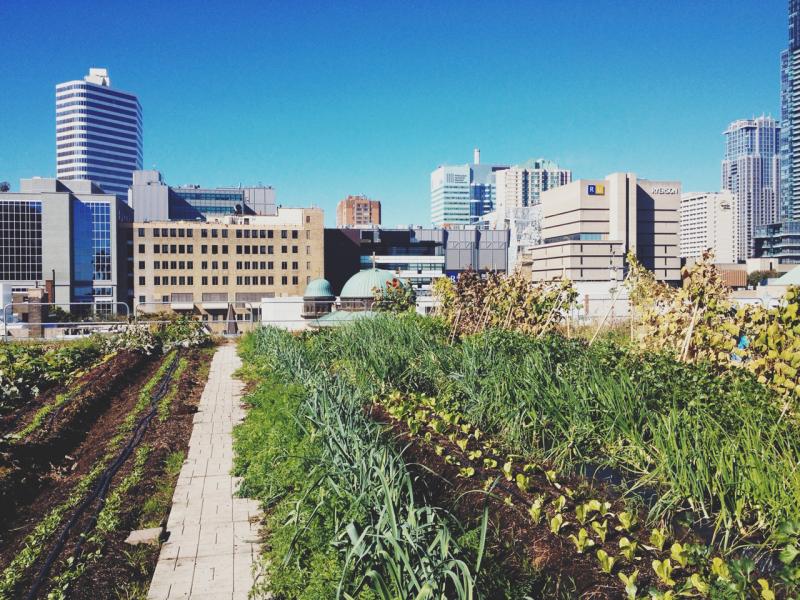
(756,277)
(5,186)
(395,297)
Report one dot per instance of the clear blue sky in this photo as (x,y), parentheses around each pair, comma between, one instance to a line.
(325,99)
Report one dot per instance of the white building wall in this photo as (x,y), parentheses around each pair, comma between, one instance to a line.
(709,221)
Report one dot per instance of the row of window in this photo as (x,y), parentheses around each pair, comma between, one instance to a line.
(181,265)
(216,249)
(215,280)
(215,233)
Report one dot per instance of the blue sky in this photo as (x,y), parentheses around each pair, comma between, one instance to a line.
(325,99)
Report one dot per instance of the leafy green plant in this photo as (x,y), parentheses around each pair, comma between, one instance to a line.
(607,561)
(663,569)
(630,583)
(582,541)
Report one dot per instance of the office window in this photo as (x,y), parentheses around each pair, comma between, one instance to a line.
(157,264)
(238,233)
(308,266)
(308,249)
(262,249)
(141,248)
(141,231)
(270,234)
(238,264)
(295,266)
(224,280)
(164,232)
(262,233)
(247,233)
(181,249)
(270,280)
(190,248)
(141,264)
(204,280)
(284,265)
(225,249)
(156,232)
(284,249)
(204,265)
(203,249)
(173,264)
(173,248)
(181,265)
(214,249)
(238,280)
(204,233)
(156,280)
(214,233)
(141,299)
(308,219)
(173,280)
(141,281)
(190,264)
(224,265)
(189,232)
(270,265)
(294,249)
(181,280)
(294,280)
(284,280)
(224,233)
(214,280)
(181,232)
(295,234)
(270,250)
(263,279)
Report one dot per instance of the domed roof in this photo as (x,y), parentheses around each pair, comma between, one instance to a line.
(318,288)
(362,284)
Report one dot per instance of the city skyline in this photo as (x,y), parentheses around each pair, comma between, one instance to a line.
(216,119)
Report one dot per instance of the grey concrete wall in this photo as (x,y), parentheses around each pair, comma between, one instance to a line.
(56,247)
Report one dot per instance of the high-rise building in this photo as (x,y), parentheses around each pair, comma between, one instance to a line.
(358,211)
(68,235)
(98,133)
(521,185)
(462,194)
(708,221)
(154,200)
(751,171)
(589,226)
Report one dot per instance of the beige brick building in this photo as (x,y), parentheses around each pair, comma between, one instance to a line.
(588,226)
(213,267)
(358,211)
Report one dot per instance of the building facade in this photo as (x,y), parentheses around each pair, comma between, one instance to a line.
(708,221)
(417,255)
(790,122)
(214,267)
(358,211)
(69,236)
(462,194)
(588,227)
(521,186)
(751,171)
(98,133)
(154,200)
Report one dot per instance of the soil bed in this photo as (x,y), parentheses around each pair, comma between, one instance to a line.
(523,546)
(120,567)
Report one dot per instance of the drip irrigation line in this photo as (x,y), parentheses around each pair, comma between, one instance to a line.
(101,488)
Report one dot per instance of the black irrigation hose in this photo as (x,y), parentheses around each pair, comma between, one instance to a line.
(100,489)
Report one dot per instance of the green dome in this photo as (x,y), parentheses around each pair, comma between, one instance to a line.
(318,288)
(362,284)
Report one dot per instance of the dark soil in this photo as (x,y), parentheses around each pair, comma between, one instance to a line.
(531,551)
(119,564)
(56,454)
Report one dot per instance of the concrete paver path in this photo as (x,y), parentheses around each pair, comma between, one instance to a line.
(213,535)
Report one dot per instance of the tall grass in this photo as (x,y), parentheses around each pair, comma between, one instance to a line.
(712,444)
(388,542)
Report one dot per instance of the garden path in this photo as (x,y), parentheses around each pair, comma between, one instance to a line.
(213,535)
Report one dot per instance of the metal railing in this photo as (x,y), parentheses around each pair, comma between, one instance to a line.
(66,324)
(227,326)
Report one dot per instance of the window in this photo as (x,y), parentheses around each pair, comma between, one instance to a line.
(204,265)
(247,233)
(214,233)
(164,232)
(270,234)
(224,233)
(157,280)
(270,280)
(225,249)
(141,231)
(204,249)
(157,264)
(238,280)
(284,265)
(141,248)
(295,234)
(308,266)
(141,281)
(203,280)
(270,265)
(224,265)
(190,248)
(284,249)
(181,265)
(190,264)
(224,280)
(181,249)
(173,280)
(141,264)
(262,249)
(284,234)
(189,232)
(238,249)
(214,265)
(141,299)
(204,233)
(284,280)
(156,232)
(308,249)
(214,280)
(173,248)
(295,266)
(181,280)
(270,250)
(238,264)
(181,232)
(294,280)
(294,249)
(214,249)
(308,219)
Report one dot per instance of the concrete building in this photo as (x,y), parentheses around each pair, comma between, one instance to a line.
(98,133)
(751,171)
(708,221)
(416,255)
(213,267)
(521,186)
(68,236)
(358,211)
(154,200)
(588,226)
(462,194)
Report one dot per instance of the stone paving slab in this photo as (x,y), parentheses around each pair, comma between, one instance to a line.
(213,535)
